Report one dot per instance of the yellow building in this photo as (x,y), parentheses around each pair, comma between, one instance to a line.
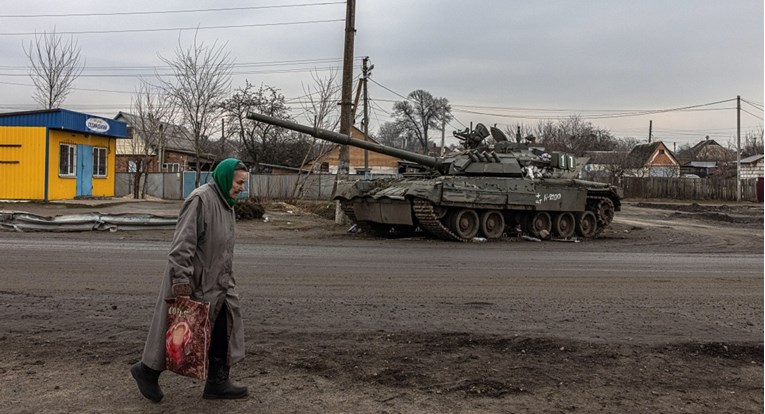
(57,154)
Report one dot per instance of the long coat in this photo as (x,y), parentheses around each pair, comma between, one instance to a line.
(201,254)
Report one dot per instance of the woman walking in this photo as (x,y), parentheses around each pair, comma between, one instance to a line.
(200,266)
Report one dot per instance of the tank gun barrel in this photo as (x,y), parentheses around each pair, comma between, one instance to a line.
(343,139)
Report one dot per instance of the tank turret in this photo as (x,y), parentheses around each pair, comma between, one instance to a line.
(511,159)
(508,188)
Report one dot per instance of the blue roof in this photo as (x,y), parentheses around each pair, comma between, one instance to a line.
(66,120)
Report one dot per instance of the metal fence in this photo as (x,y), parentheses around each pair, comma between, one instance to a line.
(320,187)
(262,186)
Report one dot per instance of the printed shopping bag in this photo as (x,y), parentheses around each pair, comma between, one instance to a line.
(188,337)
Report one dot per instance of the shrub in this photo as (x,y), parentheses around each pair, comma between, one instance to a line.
(248,210)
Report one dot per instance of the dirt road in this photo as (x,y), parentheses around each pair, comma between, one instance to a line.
(663,313)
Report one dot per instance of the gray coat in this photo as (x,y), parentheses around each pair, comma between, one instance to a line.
(201,254)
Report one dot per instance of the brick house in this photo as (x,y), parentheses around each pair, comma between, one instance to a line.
(379,164)
(752,167)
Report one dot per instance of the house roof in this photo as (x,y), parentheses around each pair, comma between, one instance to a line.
(603,157)
(66,120)
(701,144)
(752,159)
(174,135)
(643,152)
(704,150)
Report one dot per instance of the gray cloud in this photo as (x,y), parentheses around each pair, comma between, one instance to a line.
(579,55)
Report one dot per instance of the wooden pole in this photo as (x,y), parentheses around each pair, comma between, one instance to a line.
(346,104)
(365,72)
(738,148)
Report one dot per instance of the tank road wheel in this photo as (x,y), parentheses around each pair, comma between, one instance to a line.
(492,224)
(586,224)
(464,223)
(541,225)
(564,224)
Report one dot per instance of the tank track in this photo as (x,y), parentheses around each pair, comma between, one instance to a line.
(427,219)
(426,216)
(593,203)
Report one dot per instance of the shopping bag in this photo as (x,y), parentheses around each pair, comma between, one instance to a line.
(188,337)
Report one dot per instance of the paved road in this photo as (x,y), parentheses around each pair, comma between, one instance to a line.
(369,285)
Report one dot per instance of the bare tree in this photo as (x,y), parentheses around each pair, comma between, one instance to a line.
(320,110)
(753,142)
(55,64)
(617,163)
(150,113)
(420,112)
(260,141)
(518,131)
(573,135)
(393,134)
(199,84)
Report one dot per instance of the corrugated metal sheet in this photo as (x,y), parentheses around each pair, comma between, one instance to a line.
(22,163)
(64,119)
(21,221)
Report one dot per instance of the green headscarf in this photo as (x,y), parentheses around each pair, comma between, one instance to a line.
(224,177)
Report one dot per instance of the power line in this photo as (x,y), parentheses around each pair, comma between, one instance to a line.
(169,29)
(756,116)
(141,13)
(755,106)
(163,67)
(389,90)
(566,113)
(138,75)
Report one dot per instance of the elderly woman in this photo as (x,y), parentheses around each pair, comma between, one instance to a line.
(200,265)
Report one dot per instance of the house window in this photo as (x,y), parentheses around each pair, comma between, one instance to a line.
(67,162)
(324,167)
(661,152)
(99,162)
(172,167)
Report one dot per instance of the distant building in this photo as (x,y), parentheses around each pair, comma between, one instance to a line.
(704,158)
(379,164)
(605,165)
(752,167)
(169,151)
(57,154)
(654,160)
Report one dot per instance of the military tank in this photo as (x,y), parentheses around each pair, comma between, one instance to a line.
(509,187)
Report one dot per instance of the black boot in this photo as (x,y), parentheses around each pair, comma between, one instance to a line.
(147,380)
(218,385)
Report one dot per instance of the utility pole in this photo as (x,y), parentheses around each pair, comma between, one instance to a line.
(346,106)
(443,136)
(365,73)
(650,130)
(738,148)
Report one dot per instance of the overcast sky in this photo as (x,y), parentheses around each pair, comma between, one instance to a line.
(500,61)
